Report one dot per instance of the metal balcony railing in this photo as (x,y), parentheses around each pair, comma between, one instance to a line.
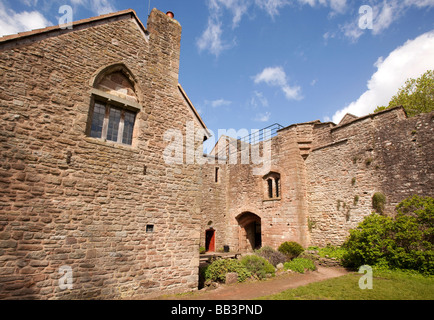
(251,139)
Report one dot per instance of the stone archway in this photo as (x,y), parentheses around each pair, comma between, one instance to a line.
(249,236)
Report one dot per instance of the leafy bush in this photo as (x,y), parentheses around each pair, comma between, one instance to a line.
(273,256)
(378,202)
(368,243)
(291,249)
(405,242)
(202,250)
(332,252)
(217,270)
(258,266)
(300,265)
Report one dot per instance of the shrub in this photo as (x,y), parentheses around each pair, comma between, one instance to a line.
(217,270)
(202,250)
(368,243)
(291,249)
(405,242)
(273,256)
(257,266)
(300,265)
(378,202)
(332,252)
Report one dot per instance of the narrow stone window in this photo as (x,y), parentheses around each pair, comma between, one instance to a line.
(149,228)
(216,177)
(277,181)
(270,188)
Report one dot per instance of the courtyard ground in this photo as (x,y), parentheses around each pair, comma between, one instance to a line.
(255,289)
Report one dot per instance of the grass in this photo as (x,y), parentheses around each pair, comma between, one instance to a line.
(387,285)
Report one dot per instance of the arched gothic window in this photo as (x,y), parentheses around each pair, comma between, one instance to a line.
(272,188)
(114,106)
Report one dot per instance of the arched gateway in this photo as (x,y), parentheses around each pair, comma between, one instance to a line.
(249,236)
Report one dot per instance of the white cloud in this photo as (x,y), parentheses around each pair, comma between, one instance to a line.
(276,77)
(29,3)
(337,6)
(12,22)
(219,103)
(419,3)
(211,38)
(385,13)
(258,97)
(292,93)
(101,6)
(410,60)
(236,7)
(271,6)
(352,31)
(98,7)
(262,117)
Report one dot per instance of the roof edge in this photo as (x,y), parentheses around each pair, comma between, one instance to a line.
(371,115)
(58,28)
(196,113)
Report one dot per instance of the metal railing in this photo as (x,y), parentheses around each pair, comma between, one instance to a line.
(251,139)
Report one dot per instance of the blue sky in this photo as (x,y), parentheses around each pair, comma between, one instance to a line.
(251,63)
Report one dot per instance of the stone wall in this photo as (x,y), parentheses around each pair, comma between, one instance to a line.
(385,152)
(214,200)
(282,218)
(71,200)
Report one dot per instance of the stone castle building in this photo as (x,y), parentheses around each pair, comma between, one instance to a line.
(90,206)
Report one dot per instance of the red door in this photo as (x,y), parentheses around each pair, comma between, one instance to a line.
(210,240)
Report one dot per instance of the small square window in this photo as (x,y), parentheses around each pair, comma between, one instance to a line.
(149,228)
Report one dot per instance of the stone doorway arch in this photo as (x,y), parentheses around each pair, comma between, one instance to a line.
(249,235)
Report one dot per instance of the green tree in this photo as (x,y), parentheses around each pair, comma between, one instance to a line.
(416,96)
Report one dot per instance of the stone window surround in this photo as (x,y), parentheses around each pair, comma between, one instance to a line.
(275,185)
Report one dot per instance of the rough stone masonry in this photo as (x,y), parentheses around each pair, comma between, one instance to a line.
(90,209)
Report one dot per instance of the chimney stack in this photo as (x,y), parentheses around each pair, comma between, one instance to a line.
(165,39)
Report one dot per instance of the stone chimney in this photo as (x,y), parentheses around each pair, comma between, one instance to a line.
(165,44)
